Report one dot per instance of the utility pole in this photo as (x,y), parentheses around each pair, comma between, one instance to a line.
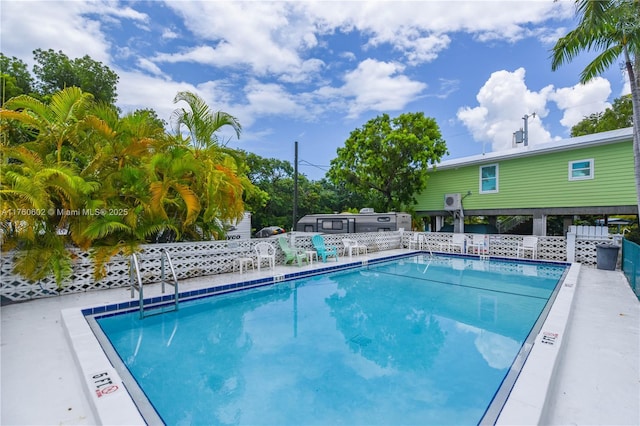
(526,128)
(295,186)
(522,135)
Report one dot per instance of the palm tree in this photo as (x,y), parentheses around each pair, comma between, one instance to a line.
(201,122)
(613,28)
(222,179)
(54,125)
(38,200)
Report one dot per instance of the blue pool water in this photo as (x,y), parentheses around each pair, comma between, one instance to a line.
(413,341)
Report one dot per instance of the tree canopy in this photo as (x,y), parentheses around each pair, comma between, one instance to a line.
(275,177)
(15,78)
(386,160)
(91,179)
(619,116)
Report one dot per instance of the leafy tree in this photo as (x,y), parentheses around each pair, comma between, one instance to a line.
(386,160)
(94,180)
(151,116)
(56,71)
(611,27)
(56,124)
(619,116)
(223,183)
(200,121)
(38,189)
(15,78)
(275,177)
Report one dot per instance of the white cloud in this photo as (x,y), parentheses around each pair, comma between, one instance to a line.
(272,99)
(274,37)
(170,34)
(284,43)
(582,100)
(257,34)
(503,102)
(136,91)
(27,26)
(149,66)
(420,29)
(378,86)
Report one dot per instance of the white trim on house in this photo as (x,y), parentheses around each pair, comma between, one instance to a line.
(495,178)
(574,173)
(613,136)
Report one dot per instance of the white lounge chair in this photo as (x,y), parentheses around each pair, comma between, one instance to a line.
(477,245)
(528,244)
(457,240)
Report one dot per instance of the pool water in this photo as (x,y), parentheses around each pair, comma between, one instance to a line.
(413,341)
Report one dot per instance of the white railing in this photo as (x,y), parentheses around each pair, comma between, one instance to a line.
(196,259)
(191,259)
(499,245)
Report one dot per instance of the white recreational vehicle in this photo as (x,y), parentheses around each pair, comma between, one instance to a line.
(240,229)
(347,223)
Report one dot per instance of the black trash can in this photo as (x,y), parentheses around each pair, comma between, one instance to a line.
(607,256)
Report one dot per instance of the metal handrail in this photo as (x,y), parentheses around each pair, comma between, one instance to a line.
(163,275)
(135,279)
(134,268)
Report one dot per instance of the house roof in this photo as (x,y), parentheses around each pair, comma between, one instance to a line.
(595,139)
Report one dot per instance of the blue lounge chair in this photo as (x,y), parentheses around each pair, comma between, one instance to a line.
(323,251)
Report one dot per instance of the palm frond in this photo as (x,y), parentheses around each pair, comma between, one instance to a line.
(29,103)
(103,226)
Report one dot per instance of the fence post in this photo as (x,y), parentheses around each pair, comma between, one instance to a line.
(571,247)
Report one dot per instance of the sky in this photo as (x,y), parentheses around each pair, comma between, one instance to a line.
(313,72)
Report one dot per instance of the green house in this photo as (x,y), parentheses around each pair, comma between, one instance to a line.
(591,174)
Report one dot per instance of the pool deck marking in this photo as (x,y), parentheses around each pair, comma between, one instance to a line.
(527,400)
(118,408)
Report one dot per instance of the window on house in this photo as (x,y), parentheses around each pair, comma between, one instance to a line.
(581,169)
(489,179)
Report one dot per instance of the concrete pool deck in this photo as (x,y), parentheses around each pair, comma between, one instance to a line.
(597,380)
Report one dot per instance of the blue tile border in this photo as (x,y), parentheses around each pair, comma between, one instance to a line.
(165,300)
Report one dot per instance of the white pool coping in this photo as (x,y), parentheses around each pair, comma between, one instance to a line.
(529,396)
(108,396)
(596,381)
(525,404)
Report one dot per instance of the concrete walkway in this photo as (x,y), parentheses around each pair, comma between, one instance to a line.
(597,381)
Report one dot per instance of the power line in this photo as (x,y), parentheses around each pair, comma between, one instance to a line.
(306,163)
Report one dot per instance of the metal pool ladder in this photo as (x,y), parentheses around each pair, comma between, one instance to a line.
(135,280)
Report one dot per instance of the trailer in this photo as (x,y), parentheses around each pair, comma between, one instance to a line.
(348,223)
(240,229)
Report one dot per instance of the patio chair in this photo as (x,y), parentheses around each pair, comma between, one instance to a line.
(291,254)
(477,245)
(265,251)
(528,244)
(457,240)
(322,250)
(415,241)
(352,246)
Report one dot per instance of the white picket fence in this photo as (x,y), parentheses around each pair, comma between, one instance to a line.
(590,232)
(196,259)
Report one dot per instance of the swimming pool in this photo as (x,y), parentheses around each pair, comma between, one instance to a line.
(418,340)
